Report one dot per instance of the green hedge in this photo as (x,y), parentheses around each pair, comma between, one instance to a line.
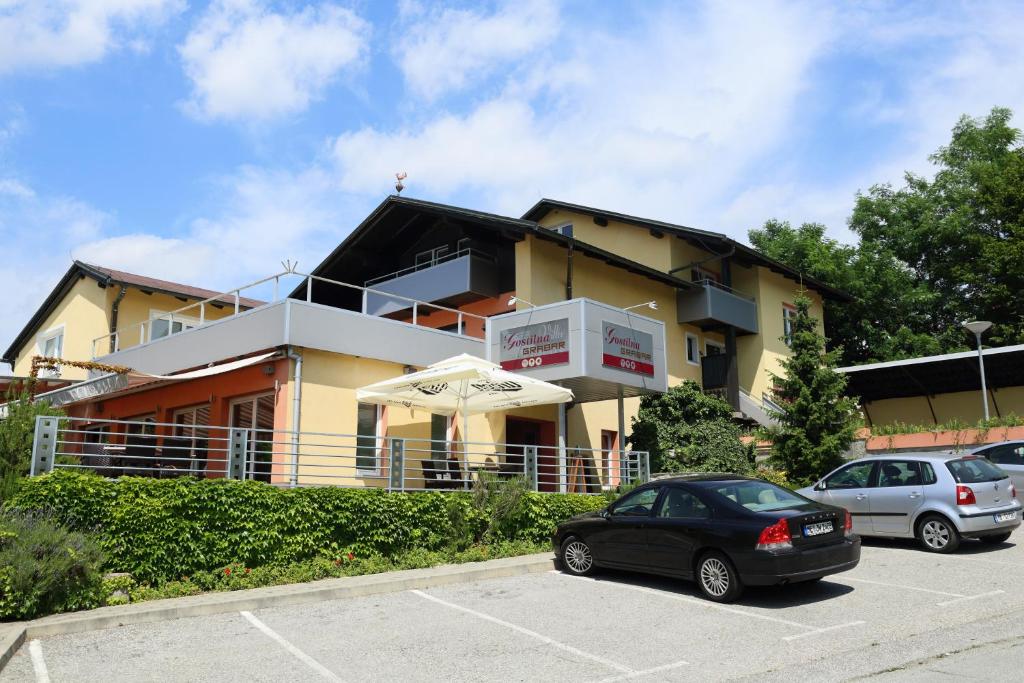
(160,530)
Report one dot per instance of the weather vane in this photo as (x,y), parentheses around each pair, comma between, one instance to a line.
(399,177)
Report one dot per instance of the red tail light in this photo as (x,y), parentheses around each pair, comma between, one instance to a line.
(1013,491)
(848,524)
(965,496)
(775,537)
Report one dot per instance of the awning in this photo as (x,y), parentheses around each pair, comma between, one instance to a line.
(106,385)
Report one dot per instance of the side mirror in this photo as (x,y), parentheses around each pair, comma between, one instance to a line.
(605,513)
(820,486)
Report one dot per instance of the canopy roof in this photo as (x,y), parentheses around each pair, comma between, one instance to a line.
(931,375)
(463,384)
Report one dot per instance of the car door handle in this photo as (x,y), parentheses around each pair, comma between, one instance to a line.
(861,496)
(915,495)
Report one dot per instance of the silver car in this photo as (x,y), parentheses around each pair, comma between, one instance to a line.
(1009,455)
(938,498)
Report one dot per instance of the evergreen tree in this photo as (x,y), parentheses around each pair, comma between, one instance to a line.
(818,422)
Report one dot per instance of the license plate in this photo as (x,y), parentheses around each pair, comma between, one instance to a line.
(1006,516)
(818,529)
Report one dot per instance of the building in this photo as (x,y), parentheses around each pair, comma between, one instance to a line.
(935,390)
(612,306)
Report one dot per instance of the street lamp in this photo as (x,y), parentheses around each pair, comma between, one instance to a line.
(515,299)
(978,327)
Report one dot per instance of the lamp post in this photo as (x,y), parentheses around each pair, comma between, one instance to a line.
(978,327)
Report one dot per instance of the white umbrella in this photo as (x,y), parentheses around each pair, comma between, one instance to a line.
(466,385)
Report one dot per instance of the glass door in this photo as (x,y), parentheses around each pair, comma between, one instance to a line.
(256,413)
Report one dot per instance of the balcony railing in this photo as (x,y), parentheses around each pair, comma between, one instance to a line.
(195,313)
(429,264)
(713,305)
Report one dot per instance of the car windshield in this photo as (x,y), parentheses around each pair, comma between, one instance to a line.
(974,470)
(758,496)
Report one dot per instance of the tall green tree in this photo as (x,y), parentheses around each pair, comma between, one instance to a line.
(960,233)
(817,422)
(884,319)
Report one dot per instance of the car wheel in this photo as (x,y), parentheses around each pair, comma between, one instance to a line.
(576,557)
(717,578)
(995,540)
(937,534)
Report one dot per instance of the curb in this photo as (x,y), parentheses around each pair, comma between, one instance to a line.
(13,635)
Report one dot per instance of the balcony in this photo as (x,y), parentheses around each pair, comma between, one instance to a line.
(713,305)
(459,278)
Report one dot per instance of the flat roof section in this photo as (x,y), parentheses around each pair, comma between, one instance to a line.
(931,375)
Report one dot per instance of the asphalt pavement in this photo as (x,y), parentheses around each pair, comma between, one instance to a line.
(903,614)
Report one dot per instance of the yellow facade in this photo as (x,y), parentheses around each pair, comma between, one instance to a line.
(964,406)
(81,316)
(84,316)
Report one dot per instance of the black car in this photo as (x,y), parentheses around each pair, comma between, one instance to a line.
(724,531)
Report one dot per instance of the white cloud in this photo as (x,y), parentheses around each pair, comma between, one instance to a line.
(62,33)
(449,49)
(662,119)
(248,62)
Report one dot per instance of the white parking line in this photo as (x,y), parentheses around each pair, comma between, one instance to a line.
(527,632)
(694,601)
(823,630)
(645,672)
(902,586)
(970,597)
(35,650)
(965,558)
(299,654)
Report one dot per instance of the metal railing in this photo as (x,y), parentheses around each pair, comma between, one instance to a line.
(469,251)
(115,448)
(198,316)
(710,282)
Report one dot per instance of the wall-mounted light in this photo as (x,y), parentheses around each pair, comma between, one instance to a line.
(653,305)
(513,300)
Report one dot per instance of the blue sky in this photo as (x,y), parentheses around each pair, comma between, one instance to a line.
(206,142)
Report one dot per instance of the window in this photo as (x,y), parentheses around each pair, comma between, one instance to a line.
(439,437)
(698,274)
(51,345)
(162,323)
(788,316)
(899,473)
(565,230)
(256,413)
(712,348)
(855,476)
(681,504)
(759,496)
(692,349)
(191,435)
(1007,454)
(431,257)
(637,504)
(368,419)
(974,470)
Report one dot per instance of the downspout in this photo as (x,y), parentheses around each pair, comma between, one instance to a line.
(568,271)
(113,317)
(296,408)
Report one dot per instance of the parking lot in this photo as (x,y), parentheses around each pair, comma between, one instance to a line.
(902,613)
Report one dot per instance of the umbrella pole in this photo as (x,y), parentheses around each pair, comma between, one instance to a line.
(465,444)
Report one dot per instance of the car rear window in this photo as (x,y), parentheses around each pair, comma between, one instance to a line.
(758,495)
(973,470)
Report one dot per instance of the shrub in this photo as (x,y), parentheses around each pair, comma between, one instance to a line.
(686,430)
(45,568)
(774,476)
(162,529)
(16,432)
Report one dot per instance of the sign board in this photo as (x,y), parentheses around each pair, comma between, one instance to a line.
(532,346)
(627,349)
